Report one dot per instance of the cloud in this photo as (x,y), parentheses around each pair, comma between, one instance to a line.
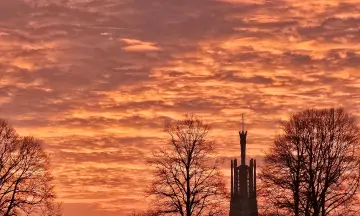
(97,80)
(139,46)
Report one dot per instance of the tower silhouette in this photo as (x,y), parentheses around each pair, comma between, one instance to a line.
(243,182)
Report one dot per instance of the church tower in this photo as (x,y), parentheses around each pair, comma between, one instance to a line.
(243,182)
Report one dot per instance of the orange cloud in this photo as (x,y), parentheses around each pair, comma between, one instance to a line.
(98,81)
(139,46)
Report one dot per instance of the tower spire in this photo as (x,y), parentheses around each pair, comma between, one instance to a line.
(243,181)
(243,134)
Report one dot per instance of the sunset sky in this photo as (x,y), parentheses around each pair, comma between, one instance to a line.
(98,79)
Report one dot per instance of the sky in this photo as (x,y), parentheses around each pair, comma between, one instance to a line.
(98,79)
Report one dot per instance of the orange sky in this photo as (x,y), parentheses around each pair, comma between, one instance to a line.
(97,80)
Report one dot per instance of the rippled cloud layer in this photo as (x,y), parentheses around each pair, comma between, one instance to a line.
(97,80)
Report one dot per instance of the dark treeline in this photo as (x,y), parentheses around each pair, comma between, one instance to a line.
(311,169)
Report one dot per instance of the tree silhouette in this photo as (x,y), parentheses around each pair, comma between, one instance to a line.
(313,166)
(148,212)
(25,180)
(187,181)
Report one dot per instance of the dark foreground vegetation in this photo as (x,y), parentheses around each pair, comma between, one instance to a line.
(25,179)
(311,169)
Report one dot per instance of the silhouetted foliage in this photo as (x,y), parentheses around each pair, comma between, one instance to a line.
(144,213)
(313,166)
(187,180)
(25,180)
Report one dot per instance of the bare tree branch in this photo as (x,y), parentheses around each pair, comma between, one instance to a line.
(25,179)
(187,180)
(313,166)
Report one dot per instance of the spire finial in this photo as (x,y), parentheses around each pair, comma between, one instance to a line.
(243,124)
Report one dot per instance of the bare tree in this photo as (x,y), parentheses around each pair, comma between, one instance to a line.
(187,181)
(25,180)
(313,167)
